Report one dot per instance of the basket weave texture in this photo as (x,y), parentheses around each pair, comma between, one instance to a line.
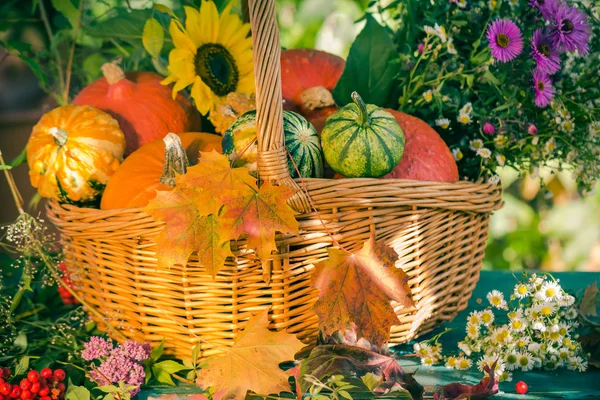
(439,231)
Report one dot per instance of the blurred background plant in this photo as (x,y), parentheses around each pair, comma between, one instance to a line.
(545,222)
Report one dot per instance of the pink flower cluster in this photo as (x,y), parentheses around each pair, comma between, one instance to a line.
(117,364)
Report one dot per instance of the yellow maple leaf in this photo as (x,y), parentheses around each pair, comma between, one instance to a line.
(252,363)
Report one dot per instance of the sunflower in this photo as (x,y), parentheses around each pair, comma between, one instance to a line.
(213,54)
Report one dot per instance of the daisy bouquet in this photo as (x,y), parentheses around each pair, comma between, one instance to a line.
(535,328)
(505,82)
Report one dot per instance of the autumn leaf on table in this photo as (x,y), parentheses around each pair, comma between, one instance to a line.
(259,215)
(252,363)
(358,287)
(487,387)
(214,181)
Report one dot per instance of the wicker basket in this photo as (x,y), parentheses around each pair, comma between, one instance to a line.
(438,229)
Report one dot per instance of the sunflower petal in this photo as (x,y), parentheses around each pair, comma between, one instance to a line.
(231,28)
(192,26)
(203,96)
(180,39)
(209,21)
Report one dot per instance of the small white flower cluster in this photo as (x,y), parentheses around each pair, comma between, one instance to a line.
(532,330)
(464,114)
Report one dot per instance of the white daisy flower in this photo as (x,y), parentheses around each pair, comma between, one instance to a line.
(571,313)
(494,180)
(424,350)
(429,30)
(427,361)
(466,109)
(518,325)
(461,3)
(577,363)
(464,119)
(567,126)
(428,96)
(474,318)
(550,145)
(486,316)
(535,281)
(451,362)
(440,32)
(539,326)
(521,291)
(510,360)
(564,354)
(522,342)
(496,299)
(525,361)
(549,291)
(443,123)
(500,159)
(563,328)
(553,334)
(484,152)
(505,376)
(501,141)
(463,363)
(534,348)
(458,155)
(472,331)
(547,308)
(499,335)
(566,300)
(488,360)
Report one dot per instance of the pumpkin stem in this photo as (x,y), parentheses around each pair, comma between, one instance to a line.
(60,135)
(364,118)
(112,72)
(176,161)
(316,97)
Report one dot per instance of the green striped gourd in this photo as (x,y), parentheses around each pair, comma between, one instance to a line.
(362,140)
(301,140)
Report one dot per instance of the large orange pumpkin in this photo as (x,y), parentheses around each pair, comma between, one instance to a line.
(307,79)
(144,108)
(426,155)
(72,152)
(136,181)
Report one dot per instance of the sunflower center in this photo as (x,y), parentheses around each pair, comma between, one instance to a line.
(567,26)
(502,40)
(545,49)
(217,68)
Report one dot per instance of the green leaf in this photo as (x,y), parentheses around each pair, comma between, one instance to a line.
(157,351)
(21,341)
(126,26)
(36,68)
(345,395)
(43,362)
(20,159)
(369,69)
(26,279)
(109,396)
(588,304)
(153,37)
(488,77)
(77,392)
(5,167)
(66,8)
(22,366)
(162,376)
(371,381)
(108,388)
(170,366)
(191,375)
(92,65)
(166,10)
(196,352)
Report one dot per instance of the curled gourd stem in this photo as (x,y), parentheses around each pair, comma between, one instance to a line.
(176,161)
(112,72)
(317,97)
(60,135)
(364,119)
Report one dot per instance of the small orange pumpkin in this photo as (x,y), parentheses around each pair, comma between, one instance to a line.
(72,152)
(145,109)
(136,181)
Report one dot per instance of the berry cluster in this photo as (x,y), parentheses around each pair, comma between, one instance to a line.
(67,298)
(43,385)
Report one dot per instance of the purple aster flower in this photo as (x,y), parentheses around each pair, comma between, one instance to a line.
(505,39)
(489,128)
(97,347)
(544,92)
(544,53)
(569,30)
(547,7)
(136,377)
(134,350)
(116,367)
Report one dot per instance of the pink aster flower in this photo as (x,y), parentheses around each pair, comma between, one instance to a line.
(544,53)
(506,42)
(532,129)
(489,128)
(569,30)
(547,7)
(97,347)
(544,92)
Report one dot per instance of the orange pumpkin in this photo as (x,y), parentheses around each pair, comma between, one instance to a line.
(145,109)
(72,152)
(136,181)
(307,79)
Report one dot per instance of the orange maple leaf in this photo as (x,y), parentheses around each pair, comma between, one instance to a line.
(214,180)
(259,214)
(252,362)
(358,287)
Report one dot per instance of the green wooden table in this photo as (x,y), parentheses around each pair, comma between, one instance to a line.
(559,384)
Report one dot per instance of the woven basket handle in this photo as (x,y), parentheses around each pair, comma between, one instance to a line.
(272,153)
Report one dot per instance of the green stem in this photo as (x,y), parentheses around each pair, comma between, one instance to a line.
(364,119)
